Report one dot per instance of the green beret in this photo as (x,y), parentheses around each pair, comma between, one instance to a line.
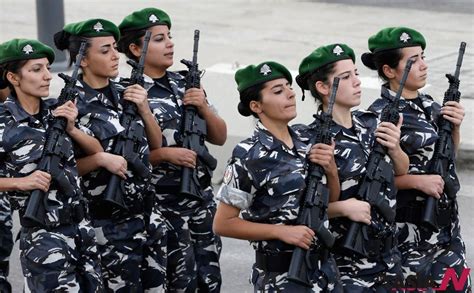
(394,38)
(145,18)
(23,49)
(320,57)
(95,27)
(261,73)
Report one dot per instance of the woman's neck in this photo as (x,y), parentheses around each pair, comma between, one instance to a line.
(280,131)
(154,72)
(30,104)
(342,116)
(95,82)
(406,93)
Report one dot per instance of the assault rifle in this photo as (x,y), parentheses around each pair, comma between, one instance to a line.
(131,136)
(313,212)
(56,149)
(438,212)
(194,130)
(379,174)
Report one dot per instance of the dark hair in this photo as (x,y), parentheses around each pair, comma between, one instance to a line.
(253,93)
(12,66)
(74,46)
(376,61)
(130,37)
(320,74)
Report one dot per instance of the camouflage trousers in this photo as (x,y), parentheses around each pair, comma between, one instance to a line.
(325,279)
(193,250)
(426,256)
(61,259)
(6,242)
(155,253)
(361,275)
(120,244)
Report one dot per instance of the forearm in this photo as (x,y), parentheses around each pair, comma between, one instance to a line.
(400,161)
(334,186)
(407,181)
(236,227)
(9,184)
(456,135)
(158,155)
(86,142)
(216,127)
(88,164)
(153,131)
(336,209)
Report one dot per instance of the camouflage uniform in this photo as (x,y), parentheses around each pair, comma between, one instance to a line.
(425,254)
(6,241)
(265,180)
(193,248)
(61,256)
(382,270)
(121,235)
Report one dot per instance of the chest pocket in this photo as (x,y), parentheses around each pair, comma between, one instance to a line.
(169,118)
(350,160)
(24,145)
(417,133)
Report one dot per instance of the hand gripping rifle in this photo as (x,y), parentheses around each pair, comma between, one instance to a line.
(194,130)
(379,174)
(443,156)
(316,197)
(56,149)
(131,135)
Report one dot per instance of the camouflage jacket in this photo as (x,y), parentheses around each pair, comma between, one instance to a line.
(418,133)
(351,154)
(265,180)
(101,114)
(22,139)
(167,106)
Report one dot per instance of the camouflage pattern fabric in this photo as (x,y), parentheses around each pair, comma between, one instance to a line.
(6,241)
(122,236)
(265,180)
(193,248)
(60,256)
(425,254)
(352,150)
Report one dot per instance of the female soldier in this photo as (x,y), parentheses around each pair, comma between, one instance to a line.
(120,232)
(193,249)
(425,254)
(60,255)
(264,180)
(354,136)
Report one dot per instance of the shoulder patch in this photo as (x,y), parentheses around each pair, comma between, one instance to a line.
(228,174)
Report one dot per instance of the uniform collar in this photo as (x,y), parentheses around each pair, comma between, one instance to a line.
(426,101)
(150,82)
(271,143)
(18,113)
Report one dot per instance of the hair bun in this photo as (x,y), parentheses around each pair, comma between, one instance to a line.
(368,60)
(61,40)
(302,81)
(244,110)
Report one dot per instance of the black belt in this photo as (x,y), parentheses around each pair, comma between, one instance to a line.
(410,214)
(379,246)
(279,262)
(70,214)
(99,210)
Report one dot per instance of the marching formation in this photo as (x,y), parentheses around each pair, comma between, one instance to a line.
(112,179)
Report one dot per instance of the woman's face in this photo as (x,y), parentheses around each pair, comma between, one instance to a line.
(418,72)
(34,79)
(348,91)
(102,58)
(160,49)
(278,101)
